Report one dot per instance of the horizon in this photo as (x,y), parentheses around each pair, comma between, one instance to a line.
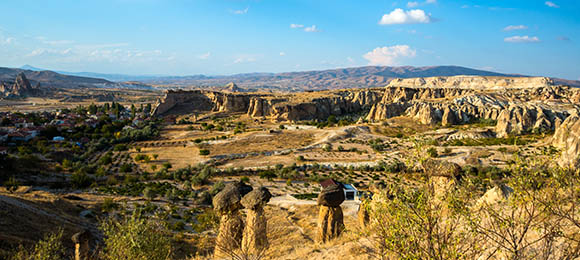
(213,38)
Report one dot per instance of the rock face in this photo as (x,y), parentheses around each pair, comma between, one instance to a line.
(284,107)
(567,139)
(19,88)
(518,105)
(255,238)
(227,203)
(330,217)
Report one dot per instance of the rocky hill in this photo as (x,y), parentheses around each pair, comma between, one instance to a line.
(50,79)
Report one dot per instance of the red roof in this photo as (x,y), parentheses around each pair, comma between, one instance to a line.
(328,182)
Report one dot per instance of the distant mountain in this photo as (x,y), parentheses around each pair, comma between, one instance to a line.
(358,77)
(369,76)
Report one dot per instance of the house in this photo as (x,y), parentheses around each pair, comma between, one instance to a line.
(3,150)
(350,192)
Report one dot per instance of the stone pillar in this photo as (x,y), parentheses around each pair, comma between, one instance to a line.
(363,214)
(256,232)
(330,217)
(81,241)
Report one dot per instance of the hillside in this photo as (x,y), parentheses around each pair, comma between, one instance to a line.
(50,78)
(359,77)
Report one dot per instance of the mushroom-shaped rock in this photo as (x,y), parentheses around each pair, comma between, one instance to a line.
(331,196)
(330,217)
(227,203)
(255,238)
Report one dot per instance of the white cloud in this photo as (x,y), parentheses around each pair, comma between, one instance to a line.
(311,29)
(552,4)
(515,27)
(431,1)
(412,4)
(521,39)
(204,56)
(282,53)
(244,58)
(389,55)
(350,60)
(294,26)
(399,16)
(244,11)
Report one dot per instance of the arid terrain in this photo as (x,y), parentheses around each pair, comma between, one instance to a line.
(468,138)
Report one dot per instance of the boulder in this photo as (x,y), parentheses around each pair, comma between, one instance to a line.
(256,198)
(229,199)
(330,223)
(331,196)
(438,168)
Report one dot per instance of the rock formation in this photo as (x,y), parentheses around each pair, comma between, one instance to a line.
(330,217)
(518,104)
(442,175)
(227,203)
(363,215)
(19,88)
(255,238)
(567,139)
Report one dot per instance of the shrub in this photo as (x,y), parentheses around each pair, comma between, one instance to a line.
(135,238)
(432,152)
(80,180)
(120,147)
(203,152)
(49,248)
(125,168)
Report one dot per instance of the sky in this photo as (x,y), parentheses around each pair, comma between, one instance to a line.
(213,37)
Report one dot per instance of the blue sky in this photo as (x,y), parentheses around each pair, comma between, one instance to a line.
(179,37)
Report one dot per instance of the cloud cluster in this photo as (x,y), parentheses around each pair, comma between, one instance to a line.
(414,4)
(552,4)
(522,39)
(243,11)
(311,28)
(515,27)
(399,16)
(389,55)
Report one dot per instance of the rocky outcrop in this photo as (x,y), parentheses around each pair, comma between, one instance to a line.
(330,217)
(288,107)
(567,139)
(519,119)
(255,239)
(227,203)
(19,88)
(473,82)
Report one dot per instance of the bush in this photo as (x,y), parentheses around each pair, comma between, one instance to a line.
(120,147)
(432,152)
(125,168)
(49,248)
(135,238)
(203,152)
(81,180)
